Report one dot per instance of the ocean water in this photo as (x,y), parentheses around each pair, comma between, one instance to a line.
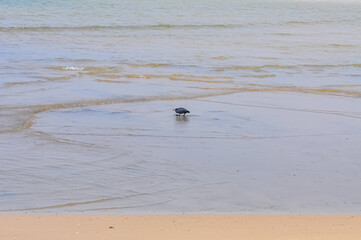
(87,90)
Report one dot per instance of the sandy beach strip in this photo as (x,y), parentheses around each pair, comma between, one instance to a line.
(187,227)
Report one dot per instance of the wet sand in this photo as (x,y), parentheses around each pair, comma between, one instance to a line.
(88,227)
(242,153)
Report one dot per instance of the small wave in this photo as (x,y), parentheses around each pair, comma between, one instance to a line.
(204,79)
(28,123)
(45,79)
(62,78)
(295,23)
(264,67)
(282,34)
(131,206)
(9,84)
(150,65)
(73,68)
(355,65)
(67,68)
(325,91)
(253,87)
(326,112)
(252,68)
(75,60)
(182,77)
(345,85)
(72,204)
(105,71)
(111,76)
(342,45)
(259,76)
(17,121)
(266,58)
(298,23)
(279,66)
(255,68)
(220,58)
(146,76)
(119,27)
(112,81)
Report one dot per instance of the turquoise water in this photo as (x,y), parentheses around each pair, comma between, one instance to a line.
(87,90)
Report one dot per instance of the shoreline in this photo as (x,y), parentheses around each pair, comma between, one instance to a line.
(207,226)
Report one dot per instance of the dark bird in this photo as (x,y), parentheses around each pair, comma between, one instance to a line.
(181,110)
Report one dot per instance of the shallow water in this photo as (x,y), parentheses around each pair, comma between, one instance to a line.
(87,90)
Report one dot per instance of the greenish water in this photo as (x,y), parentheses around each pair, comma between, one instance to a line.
(87,90)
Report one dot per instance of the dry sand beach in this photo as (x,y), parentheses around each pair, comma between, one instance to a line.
(180,227)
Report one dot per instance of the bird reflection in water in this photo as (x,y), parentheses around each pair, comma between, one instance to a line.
(180,119)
